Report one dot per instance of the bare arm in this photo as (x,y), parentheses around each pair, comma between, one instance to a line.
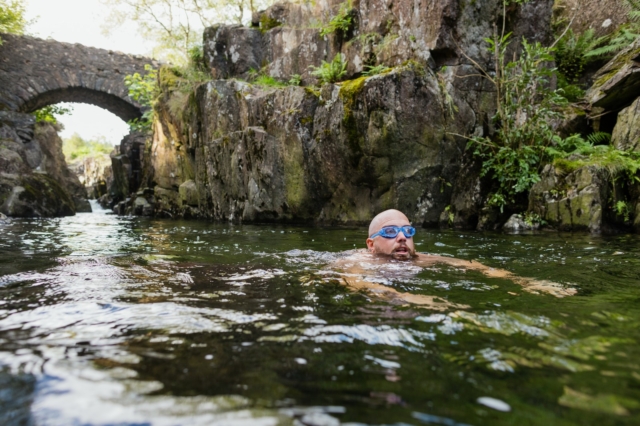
(528,284)
(354,276)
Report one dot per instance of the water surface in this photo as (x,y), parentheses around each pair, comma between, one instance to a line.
(111,320)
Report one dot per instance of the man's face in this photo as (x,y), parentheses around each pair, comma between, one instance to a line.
(400,247)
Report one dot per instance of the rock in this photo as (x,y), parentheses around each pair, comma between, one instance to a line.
(35,179)
(626,133)
(4,219)
(516,224)
(82,205)
(188,193)
(34,195)
(575,201)
(289,41)
(142,207)
(617,84)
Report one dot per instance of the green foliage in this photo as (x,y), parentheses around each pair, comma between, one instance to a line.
(572,92)
(342,21)
(267,23)
(48,114)
(572,53)
(622,37)
(268,81)
(12,17)
(374,70)
(622,208)
(295,80)
(526,105)
(174,26)
(331,72)
(196,58)
(532,218)
(75,148)
(144,90)
(574,152)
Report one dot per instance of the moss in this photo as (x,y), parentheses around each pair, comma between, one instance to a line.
(168,78)
(306,120)
(267,23)
(294,176)
(348,93)
(564,166)
(312,91)
(616,66)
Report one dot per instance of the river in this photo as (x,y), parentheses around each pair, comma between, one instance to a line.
(108,320)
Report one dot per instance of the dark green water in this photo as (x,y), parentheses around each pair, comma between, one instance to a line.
(108,320)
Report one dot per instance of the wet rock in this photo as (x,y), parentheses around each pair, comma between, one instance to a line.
(142,207)
(517,223)
(626,133)
(34,195)
(572,201)
(188,193)
(4,219)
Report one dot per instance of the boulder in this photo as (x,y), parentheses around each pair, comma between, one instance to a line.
(617,84)
(34,195)
(572,201)
(34,178)
(517,224)
(626,133)
(188,193)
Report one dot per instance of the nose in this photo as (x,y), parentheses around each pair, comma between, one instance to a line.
(401,237)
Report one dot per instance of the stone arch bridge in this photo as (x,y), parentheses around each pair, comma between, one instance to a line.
(35,73)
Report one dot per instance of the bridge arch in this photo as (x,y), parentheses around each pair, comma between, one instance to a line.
(35,73)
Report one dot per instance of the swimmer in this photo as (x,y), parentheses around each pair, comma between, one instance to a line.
(391,238)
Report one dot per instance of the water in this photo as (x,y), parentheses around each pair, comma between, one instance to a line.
(111,320)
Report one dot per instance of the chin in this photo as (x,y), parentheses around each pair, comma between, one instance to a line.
(407,255)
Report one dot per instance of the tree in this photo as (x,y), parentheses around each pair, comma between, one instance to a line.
(175,26)
(12,17)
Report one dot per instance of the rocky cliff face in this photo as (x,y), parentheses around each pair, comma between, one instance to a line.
(342,152)
(34,178)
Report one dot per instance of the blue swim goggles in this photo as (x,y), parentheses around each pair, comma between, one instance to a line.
(392,231)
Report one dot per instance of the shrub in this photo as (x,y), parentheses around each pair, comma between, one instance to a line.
(526,105)
(48,114)
(144,90)
(330,72)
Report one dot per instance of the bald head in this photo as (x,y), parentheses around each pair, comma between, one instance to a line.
(390,215)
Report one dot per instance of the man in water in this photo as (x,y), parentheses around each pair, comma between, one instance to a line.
(390,243)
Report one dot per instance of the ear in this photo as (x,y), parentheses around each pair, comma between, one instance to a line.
(370,244)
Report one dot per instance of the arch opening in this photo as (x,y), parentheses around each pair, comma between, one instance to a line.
(125,110)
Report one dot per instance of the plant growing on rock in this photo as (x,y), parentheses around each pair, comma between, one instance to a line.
(525,106)
(330,72)
(144,90)
(48,114)
(12,17)
(342,21)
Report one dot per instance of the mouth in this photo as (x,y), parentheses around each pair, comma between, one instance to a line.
(402,251)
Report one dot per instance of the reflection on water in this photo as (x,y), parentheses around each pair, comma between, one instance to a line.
(111,320)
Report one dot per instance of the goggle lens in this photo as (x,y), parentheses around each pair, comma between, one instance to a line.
(392,231)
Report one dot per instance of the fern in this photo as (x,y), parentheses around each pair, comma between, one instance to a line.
(330,72)
(618,41)
(572,52)
(599,138)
